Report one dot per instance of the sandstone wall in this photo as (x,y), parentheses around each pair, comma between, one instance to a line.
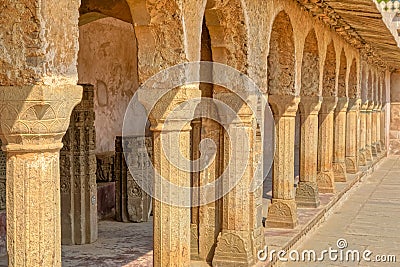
(394,131)
(108,59)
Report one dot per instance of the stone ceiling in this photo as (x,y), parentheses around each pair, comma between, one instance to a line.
(361,23)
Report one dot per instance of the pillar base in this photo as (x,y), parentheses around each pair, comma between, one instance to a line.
(368,155)
(374,150)
(351,165)
(282,214)
(307,195)
(378,148)
(326,182)
(362,160)
(234,249)
(339,171)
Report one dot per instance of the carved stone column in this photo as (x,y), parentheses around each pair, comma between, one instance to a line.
(242,222)
(368,146)
(363,134)
(378,128)
(171,222)
(33,121)
(352,132)
(383,130)
(282,213)
(374,120)
(78,175)
(325,178)
(307,190)
(339,148)
(210,215)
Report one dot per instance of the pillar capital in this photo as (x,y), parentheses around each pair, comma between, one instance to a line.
(328,104)
(342,104)
(310,105)
(364,105)
(159,103)
(377,106)
(284,105)
(371,105)
(354,104)
(36,117)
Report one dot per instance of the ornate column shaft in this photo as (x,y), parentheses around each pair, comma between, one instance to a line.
(307,190)
(78,175)
(33,121)
(352,132)
(378,128)
(383,130)
(171,223)
(363,134)
(209,216)
(241,218)
(374,126)
(368,146)
(325,178)
(282,213)
(339,149)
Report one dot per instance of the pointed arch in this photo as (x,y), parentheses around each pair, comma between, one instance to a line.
(353,85)
(329,74)
(342,75)
(310,66)
(281,58)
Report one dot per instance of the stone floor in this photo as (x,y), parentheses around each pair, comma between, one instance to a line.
(364,213)
(368,220)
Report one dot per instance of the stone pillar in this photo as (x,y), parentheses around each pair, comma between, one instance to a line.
(241,217)
(382,130)
(282,213)
(78,175)
(307,189)
(363,134)
(368,146)
(210,215)
(325,178)
(378,128)
(33,121)
(374,129)
(339,148)
(171,222)
(352,132)
(132,203)
(3,164)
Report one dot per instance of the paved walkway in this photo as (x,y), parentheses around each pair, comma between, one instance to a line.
(368,220)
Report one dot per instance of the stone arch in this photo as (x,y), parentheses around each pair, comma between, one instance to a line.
(370,85)
(310,66)
(364,83)
(342,75)
(281,58)
(154,23)
(91,10)
(353,85)
(227,24)
(329,78)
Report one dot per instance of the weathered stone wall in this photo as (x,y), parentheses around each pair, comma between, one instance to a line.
(394,132)
(37,46)
(108,60)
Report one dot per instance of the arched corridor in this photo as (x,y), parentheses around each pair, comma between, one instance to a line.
(187,133)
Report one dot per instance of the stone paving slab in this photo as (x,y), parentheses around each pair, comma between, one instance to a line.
(368,219)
